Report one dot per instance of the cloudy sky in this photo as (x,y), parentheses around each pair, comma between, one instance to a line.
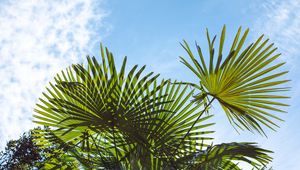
(39,38)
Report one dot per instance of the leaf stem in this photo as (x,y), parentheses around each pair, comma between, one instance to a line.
(205,108)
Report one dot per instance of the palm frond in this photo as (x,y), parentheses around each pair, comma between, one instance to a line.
(131,116)
(227,156)
(247,83)
(100,99)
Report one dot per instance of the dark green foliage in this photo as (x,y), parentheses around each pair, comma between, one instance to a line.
(24,153)
(21,154)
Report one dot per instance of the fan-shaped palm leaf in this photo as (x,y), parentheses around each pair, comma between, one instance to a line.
(134,118)
(245,83)
(227,156)
(103,100)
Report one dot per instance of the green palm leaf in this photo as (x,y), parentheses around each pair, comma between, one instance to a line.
(227,156)
(103,100)
(245,82)
(133,117)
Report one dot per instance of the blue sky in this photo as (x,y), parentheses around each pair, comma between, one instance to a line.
(39,38)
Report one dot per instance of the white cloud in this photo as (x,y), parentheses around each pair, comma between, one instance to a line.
(280,20)
(38,38)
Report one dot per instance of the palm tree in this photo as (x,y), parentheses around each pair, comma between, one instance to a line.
(105,118)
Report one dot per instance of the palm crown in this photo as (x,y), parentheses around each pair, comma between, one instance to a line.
(106,118)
